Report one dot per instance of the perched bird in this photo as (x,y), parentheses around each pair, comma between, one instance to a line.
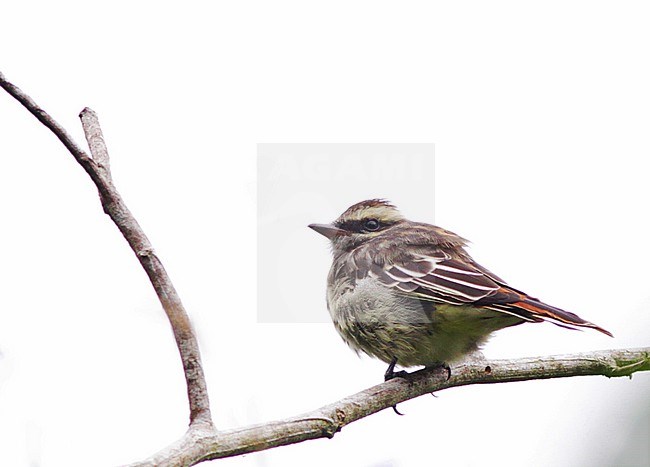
(409,294)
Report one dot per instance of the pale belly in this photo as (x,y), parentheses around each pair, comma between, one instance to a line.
(382,323)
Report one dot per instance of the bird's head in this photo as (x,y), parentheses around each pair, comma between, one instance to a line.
(359,223)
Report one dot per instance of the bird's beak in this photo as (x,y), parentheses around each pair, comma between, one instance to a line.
(328,230)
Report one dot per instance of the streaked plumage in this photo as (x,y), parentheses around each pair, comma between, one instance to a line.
(409,292)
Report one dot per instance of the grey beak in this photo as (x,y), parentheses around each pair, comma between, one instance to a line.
(328,230)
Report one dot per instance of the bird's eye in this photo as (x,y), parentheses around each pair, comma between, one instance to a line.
(371,225)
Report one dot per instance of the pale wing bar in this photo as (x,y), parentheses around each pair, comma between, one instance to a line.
(438,278)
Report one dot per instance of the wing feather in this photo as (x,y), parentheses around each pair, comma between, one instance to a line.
(436,277)
(439,278)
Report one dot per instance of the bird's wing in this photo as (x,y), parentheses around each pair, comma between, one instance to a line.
(438,277)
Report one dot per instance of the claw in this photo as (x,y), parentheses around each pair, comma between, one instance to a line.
(391,374)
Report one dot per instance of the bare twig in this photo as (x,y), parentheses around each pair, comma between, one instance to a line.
(98,169)
(328,420)
(202,441)
(95,139)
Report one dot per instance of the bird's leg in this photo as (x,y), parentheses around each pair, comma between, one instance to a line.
(391,373)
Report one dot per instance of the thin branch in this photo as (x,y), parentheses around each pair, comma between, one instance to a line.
(95,139)
(98,168)
(325,422)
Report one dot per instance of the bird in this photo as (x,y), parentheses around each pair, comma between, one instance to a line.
(409,294)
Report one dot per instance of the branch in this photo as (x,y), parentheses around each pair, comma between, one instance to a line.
(325,422)
(98,168)
(202,441)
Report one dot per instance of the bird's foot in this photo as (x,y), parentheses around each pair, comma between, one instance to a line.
(396,374)
(392,374)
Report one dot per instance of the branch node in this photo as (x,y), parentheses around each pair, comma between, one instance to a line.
(144,252)
(621,368)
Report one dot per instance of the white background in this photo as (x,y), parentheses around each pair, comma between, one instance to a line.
(540,119)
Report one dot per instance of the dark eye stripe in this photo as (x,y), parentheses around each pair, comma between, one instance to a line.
(351,226)
(359,225)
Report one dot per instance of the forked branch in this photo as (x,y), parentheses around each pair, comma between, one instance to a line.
(202,441)
(98,168)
